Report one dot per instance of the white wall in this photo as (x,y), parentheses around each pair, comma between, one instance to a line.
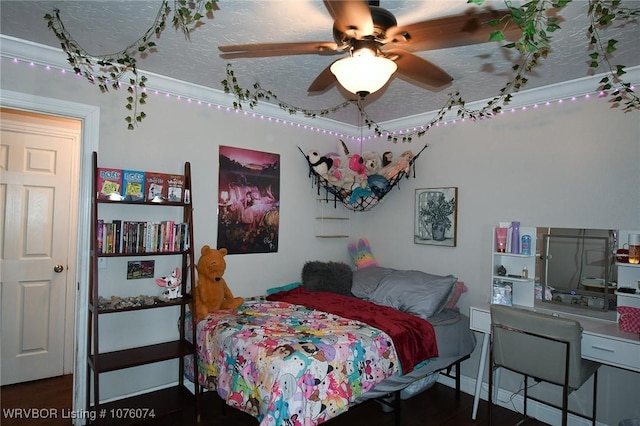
(576,164)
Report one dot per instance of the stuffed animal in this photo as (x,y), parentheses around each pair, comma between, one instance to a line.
(397,165)
(359,192)
(319,163)
(372,162)
(341,176)
(171,283)
(361,254)
(386,158)
(340,158)
(356,164)
(335,162)
(212,292)
(378,185)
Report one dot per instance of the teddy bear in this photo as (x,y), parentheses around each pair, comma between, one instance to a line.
(212,292)
(372,162)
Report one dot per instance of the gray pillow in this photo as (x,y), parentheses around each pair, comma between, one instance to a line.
(334,277)
(366,280)
(415,292)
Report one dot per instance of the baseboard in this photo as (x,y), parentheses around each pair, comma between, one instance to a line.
(140,392)
(508,400)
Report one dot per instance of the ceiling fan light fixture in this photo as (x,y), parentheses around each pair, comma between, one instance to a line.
(363,73)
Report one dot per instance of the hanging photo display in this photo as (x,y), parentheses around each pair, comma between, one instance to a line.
(248,201)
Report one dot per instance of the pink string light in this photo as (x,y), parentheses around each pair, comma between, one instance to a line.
(600,94)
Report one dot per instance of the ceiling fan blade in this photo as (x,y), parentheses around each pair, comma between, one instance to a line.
(263,50)
(450,31)
(352,17)
(324,80)
(418,69)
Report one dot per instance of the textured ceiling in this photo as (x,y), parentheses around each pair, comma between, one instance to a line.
(479,71)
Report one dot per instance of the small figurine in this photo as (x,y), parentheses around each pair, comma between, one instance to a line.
(172,285)
(502,271)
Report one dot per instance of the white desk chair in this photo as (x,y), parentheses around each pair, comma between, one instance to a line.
(526,342)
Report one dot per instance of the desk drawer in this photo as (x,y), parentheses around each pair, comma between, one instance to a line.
(613,352)
(480,320)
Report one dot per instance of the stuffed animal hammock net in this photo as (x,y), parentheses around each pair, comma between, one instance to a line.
(364,196)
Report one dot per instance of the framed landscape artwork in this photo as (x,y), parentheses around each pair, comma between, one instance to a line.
(436,216)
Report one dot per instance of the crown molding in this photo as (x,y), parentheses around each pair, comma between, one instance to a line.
(526,98)
(26,51)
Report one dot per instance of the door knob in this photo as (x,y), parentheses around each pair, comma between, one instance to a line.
(58,268)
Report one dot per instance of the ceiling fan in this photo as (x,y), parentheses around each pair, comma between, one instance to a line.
(378,47)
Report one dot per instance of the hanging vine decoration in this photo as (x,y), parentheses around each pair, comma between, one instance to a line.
(252,97)
(602,16)
(533,46)
(109,71)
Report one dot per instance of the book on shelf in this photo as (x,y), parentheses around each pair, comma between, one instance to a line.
(130,237)
(99,240)
(109,182)
(502,292)
(175,188)
(117,225)
(156,185)
(133,183)
(107,233)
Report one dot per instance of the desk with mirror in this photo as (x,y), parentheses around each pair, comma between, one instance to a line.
(576,276)
(577,267)
(602,341)
(566,266)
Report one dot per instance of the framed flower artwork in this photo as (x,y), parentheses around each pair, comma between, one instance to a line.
(436,216)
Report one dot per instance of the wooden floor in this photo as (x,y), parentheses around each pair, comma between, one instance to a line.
(437,407)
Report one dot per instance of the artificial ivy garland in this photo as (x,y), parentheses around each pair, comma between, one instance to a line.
(533,46)
(113,69)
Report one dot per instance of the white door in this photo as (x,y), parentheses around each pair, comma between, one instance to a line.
(37,193)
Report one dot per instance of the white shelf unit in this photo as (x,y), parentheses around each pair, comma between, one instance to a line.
(523,288)
(628,274)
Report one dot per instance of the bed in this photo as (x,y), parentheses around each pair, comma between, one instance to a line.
(302,355)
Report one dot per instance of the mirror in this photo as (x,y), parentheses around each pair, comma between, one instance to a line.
(576,266)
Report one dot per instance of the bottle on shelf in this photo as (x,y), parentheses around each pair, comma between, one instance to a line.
(513,266)
(515,237)
(501,239)
(634,249)
(525,247)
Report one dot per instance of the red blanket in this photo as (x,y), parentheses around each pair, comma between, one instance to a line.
(413,337)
